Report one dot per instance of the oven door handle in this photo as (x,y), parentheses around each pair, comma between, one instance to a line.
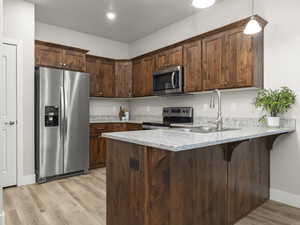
(173,79)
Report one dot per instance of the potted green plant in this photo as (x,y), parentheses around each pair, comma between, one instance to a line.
(274,103)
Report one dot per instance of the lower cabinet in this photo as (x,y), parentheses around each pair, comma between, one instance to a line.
(216,185)
(98,143)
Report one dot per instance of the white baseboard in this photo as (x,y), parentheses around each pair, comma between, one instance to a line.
(285,197)
(25,180)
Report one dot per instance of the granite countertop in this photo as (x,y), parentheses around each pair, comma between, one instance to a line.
(176,140)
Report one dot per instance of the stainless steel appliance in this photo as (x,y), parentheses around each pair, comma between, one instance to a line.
(61,123)
(168,81)
(172,115)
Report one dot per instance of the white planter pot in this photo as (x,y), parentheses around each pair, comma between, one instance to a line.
(273,121)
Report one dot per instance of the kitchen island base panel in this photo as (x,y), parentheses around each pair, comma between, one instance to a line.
(149,186)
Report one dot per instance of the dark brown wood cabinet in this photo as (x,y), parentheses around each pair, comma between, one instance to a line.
(48,55)
(59,56)
(107,76)
(102,76)
(214,62)
(216,185)
(232,59)
(123,79)
(93,68)
(143,69)
(219,59)
(193,66)
(98,149)
(74,60)
(169,57)
(243,52)
(97,145)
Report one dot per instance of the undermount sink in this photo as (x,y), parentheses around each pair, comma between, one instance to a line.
(205,129)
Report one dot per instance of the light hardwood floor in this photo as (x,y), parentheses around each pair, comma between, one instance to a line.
(81,201)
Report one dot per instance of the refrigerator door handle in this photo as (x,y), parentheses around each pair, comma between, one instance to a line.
(62,117)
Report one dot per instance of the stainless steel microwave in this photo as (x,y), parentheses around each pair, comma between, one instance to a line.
(168,81)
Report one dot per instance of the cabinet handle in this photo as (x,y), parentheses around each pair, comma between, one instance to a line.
(64,64)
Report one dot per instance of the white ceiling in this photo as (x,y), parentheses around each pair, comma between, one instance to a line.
(135,18)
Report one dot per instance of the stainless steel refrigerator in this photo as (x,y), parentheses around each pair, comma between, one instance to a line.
(61,123)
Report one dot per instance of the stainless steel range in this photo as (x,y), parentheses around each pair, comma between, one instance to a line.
(172,115)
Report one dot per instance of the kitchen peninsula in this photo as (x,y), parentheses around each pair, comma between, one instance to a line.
(173,177)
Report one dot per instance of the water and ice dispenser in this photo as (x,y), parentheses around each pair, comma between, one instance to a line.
(51,116)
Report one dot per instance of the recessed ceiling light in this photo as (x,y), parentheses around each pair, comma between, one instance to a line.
(202,4)
(111,15)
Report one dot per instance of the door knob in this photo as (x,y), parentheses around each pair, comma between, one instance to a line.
(10,123)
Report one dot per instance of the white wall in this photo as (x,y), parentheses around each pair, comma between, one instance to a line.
(98,46)
(282,50)
(19,24)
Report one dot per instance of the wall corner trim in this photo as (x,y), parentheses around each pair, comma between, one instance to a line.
(285,197)
(26,180)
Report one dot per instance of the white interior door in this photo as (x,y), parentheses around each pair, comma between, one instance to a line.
(8,114)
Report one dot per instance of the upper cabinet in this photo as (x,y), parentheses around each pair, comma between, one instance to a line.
(102,76)
(59,56)
(123,79)
(169,57)
(244,59)
(107,77)
(219,59)
(193,66)
(143,69)
(232,59)
(214,62)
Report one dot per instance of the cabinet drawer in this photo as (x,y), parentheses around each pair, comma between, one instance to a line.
(98,128)
(117,127)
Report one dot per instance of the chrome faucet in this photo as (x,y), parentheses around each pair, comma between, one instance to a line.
(219,120)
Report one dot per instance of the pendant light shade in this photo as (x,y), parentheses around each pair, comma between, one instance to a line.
(253,26)
(202,4)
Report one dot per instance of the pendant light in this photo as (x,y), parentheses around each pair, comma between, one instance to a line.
(253,26)
(202,4)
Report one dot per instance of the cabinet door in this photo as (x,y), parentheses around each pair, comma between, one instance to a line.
(97,151)
(168,58)
(123,79)
(214,62)
(193,66)
(239,52)
(48,56)
(107,73)
(142,76)
(92,67)
(74,60)
(138,84)
(148,68)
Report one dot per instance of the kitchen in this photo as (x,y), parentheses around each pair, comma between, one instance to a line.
(177,42)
